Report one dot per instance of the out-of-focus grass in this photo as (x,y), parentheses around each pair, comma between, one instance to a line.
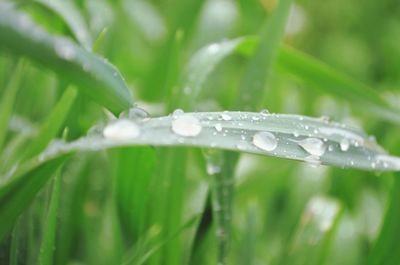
(152,205)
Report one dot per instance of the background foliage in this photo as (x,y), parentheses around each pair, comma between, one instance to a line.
(147,205)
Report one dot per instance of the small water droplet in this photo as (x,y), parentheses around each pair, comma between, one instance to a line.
(186,125)
(344,144)
(177,113)
(265,141)
(64,48)
(121,130)
(313,146)
(218,127)
(264,112)
(213,169)
(226,117)
(135,114)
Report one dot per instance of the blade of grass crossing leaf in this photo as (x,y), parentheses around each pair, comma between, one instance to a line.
(48,240)
(386,247)
(53,123)
(8,99)
(96,77)
(253,83)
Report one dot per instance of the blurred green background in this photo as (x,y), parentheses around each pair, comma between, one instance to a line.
(152,205)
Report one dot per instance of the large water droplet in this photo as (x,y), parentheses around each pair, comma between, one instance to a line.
(121,130)
(265,141)
(344,144)
(186,125)
(313,146)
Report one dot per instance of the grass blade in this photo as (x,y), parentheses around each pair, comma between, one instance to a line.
(49,236)
(97,78)
(308,70)
(16,195)
(314,233)
(7,102)
(53,124)
(252,85)
(338,144)
(68,11)
(385,249)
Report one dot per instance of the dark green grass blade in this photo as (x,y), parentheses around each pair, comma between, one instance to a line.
(53,123)
(386,248)
(311,240)
(7,101)
(70,14)
(17,194)
(252,85)
(97,78)
(49,236)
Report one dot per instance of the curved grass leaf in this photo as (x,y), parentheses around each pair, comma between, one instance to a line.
(338,144)
(343,146)
(71,16)
(302,67)
(94,76)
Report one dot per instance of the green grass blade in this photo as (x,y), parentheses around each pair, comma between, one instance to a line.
(386,247)
(338,144)
(53,123)
(15,243)
(48,240)
(252,85)
(326,79)
(97,78)
(312,239)
(70,14)
(302,67)
(7,101)
(16,195)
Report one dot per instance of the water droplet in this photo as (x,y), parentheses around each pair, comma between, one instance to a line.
(177,113)
(213,48)
(186,125)
(265,141)
(313,146)
(226,117)
(121,130)
(213,169)
(64,48)
(135,114)
(344,144)
(264,112)
(218,127)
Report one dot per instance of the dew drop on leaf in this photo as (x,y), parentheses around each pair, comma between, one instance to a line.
(186,125)
(226,117)
(265,141)
(218,127)
(344,144)
(313,146)
(121,130)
